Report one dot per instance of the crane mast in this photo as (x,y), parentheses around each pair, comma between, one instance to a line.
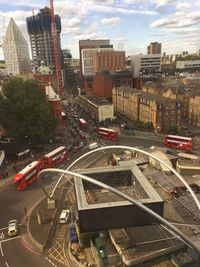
(55,49)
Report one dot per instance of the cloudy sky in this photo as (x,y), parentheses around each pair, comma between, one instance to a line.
(130,24)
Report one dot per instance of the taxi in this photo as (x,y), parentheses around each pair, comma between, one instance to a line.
(12,228)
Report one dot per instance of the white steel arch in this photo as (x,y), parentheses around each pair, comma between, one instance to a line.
(129,148)
(184,238)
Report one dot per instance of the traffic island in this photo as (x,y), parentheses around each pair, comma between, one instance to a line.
(42,222)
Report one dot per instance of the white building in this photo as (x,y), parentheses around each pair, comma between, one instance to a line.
(87,59)
(188,64)
(145,62)
(100,110)
(16,52)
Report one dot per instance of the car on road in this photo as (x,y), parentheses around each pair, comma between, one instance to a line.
(12,228)
(64,216)
(81,144)
(94,145)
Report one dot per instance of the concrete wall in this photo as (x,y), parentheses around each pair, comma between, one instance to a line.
(116,217)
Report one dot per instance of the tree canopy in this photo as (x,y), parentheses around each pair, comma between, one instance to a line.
(24,111)
(187,57)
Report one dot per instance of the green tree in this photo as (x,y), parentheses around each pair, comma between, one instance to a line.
(139,124)
(24,111)
(148,125)
(173,129)
(86,237)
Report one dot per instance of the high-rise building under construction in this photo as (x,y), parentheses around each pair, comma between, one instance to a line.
(41,39)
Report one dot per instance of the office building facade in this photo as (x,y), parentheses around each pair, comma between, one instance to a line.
(87,59)
(16,51)
(154,48)
(89,44)
(145,63)
(111,61)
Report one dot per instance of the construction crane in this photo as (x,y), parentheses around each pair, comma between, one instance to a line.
(56,51)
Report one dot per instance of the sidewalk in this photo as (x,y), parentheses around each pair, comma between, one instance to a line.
(11,170)
(7,180)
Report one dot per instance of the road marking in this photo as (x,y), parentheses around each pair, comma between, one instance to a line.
(1,250)
(6,264)
(2,236)
(3,228)
(7,227)
(50,261)
(9,239)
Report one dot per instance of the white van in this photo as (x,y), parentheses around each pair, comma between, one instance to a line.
(64,216)
(94,145)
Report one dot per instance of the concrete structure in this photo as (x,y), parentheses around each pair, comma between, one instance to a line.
(141,106)
(154,48)
(100,110)
(139,245)
(87,59)
(157,164)
(111,61)
(145,63)
(16,52)
(105,207)
(188,64)
(98,43)
(188,167)
(41,39)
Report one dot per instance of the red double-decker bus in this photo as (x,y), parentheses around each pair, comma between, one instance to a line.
(28,175)
(106,133)
(179,142)
(55,157)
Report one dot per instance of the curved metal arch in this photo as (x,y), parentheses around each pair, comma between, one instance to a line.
(184,238)
(129,148)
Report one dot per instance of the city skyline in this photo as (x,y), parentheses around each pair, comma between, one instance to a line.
(130,24)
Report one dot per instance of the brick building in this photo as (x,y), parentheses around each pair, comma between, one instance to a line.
(141,106)
(194,110)
(175,90)
(102,85)
(111,61)
(89,44)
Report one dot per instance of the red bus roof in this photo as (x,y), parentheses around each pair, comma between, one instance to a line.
(179,137)
(106,130)
(31,166)
(57,150)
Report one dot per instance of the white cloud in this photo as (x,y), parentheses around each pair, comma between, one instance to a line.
(163,2)
(178,20)
(111,21)
(158,3)
(183,5)
(71,23)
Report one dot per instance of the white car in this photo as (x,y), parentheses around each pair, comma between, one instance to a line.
(64,216)
(94,145)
